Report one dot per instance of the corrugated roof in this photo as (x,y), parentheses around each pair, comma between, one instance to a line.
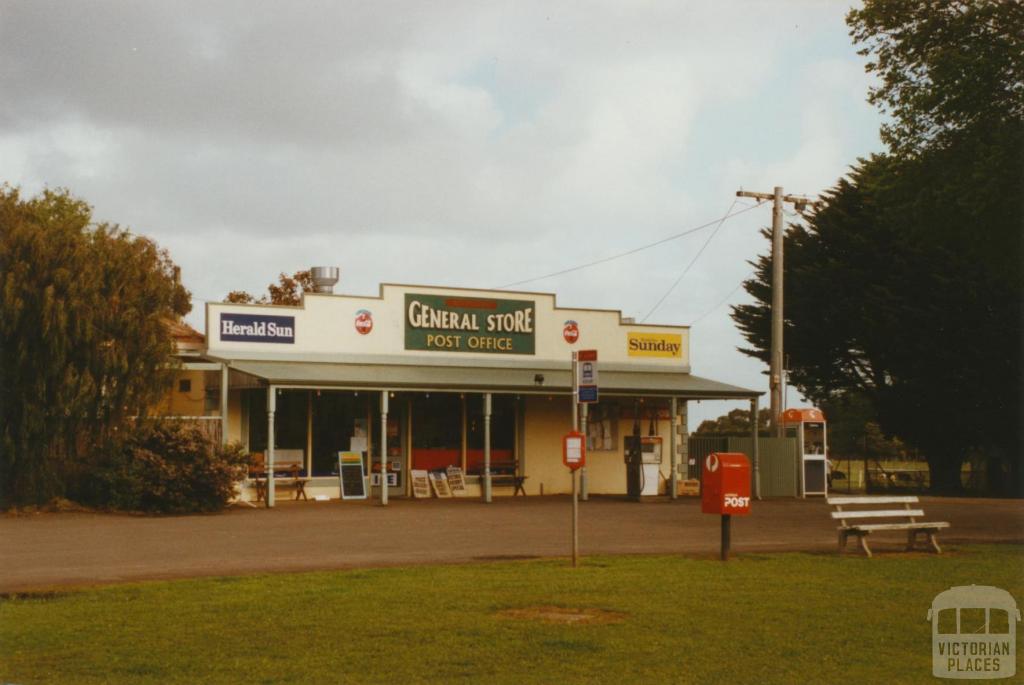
(480,379)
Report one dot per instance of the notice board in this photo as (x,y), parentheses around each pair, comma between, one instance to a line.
(351,475)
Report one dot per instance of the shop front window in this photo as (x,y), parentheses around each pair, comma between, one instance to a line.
(436,431)
(341,423)
(503,427)
(290,420)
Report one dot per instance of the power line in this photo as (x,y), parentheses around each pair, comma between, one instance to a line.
(724,300)
(692,262)
(629,252)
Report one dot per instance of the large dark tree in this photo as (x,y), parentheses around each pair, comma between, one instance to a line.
(905,287)
(84,339)
(944,67)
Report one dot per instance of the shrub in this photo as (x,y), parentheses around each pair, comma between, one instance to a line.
(165,467)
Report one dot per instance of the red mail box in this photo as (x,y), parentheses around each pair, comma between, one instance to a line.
(725,488)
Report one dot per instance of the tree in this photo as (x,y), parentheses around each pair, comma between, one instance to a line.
(945,68)
(905,287)
(84,339)
(287,290)
(736,422)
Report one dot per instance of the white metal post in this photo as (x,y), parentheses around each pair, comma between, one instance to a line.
(271,407)
(756,449)
(309,433)
(384,447)
(223,403)
(487,447)
(673,437)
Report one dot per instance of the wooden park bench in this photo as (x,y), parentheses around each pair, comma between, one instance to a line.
(287,473)
(503,473)
(850,520)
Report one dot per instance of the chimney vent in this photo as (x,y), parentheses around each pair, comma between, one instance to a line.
(324,278)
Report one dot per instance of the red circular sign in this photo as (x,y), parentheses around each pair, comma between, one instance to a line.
(364,321)
(571,332)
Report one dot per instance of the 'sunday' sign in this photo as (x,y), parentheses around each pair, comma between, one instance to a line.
(654,344)
(442,323)
(257,328)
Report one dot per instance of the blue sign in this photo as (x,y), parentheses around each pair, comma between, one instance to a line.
(588,394)
(257,328)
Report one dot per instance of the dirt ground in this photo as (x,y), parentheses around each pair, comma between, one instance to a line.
(63,549)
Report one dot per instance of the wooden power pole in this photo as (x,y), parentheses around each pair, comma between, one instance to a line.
(775,362)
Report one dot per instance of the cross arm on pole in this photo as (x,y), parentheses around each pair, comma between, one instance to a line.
(797,200)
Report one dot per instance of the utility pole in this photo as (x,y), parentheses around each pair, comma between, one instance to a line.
(775,362)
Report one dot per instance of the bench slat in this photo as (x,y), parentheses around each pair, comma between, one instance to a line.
(882,513)
(897,526)
(896,499)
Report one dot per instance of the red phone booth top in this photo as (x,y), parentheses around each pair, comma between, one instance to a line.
(803,416)
(725,488)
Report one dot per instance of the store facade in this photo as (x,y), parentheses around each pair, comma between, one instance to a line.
(423,378)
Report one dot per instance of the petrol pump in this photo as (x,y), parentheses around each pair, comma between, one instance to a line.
(808,427)
(643,461)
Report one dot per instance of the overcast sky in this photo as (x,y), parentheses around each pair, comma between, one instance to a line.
(469,144)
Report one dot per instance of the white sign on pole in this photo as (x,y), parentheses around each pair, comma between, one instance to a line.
(573,450)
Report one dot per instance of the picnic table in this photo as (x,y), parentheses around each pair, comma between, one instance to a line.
(286,473)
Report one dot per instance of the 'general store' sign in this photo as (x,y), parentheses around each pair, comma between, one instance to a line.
(442,323)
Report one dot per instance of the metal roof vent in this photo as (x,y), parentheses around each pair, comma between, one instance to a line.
(324,278)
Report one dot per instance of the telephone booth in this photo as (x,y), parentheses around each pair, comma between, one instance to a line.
(808,427)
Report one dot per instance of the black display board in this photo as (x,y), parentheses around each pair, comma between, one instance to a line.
(351,475)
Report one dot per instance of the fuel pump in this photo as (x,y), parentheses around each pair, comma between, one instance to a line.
(634,459)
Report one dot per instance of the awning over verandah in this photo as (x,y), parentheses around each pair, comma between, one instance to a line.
(614,381)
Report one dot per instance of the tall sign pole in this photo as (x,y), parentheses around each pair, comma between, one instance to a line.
(574,448)
(775,361)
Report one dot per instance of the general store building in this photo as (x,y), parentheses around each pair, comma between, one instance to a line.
(438,377)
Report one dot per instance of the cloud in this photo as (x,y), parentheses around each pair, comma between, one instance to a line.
(458,143)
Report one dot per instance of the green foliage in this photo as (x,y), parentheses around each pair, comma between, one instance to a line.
(944,68)
(736,422)
(165,467)
(905,287)
(854,432)
(84,344)
(288,290)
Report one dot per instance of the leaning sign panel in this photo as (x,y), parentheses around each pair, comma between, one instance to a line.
(442,323)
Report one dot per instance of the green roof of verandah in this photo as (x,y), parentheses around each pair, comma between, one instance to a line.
(484,379)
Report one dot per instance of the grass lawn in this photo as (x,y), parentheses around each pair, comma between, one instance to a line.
(758,618)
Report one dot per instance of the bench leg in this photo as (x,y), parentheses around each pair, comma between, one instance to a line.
(863,539)
(934,543)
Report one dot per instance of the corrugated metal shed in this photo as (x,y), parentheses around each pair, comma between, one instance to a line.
(777,458)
